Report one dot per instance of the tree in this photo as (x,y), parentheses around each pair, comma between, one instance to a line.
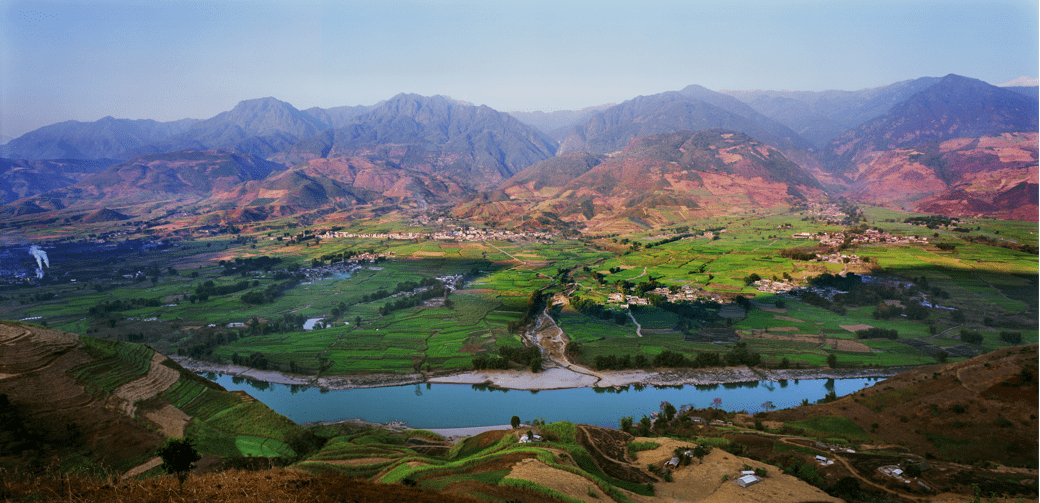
(832,360)
(941,356)
(667,411)
(971,336)
(913,470)
(178,457)
(626,423)
(536,364)
(514,422)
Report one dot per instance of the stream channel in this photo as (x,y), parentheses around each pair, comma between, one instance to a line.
(458,406)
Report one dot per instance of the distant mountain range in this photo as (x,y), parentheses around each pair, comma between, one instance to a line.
(549,122)
(822,116)
(951,145)
(692,108)
(434,134)
(104,138)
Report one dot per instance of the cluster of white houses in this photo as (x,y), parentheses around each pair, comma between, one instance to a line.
(685,292)
(458,234)
(869,236)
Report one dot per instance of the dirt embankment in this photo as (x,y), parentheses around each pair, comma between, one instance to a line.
(713,479)
(609,449)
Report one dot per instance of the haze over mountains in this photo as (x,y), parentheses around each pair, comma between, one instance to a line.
(889,145)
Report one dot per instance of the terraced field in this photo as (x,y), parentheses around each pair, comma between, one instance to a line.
(110,401)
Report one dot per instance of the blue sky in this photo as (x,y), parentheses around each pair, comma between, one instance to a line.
(166,60)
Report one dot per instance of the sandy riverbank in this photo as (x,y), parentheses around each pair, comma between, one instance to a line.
(551,378)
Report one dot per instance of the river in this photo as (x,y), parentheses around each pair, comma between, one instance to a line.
(457,406)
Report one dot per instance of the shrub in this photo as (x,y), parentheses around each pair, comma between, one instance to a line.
(971,336)
(877,333)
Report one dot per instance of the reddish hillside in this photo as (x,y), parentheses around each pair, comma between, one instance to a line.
(994,176)
(659,180)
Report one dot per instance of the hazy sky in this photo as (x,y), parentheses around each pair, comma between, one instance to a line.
(166,60)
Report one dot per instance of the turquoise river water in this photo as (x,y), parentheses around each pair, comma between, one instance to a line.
(456,406)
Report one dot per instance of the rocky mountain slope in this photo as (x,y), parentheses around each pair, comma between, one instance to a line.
(185,176)
(693,108)
(25,178)
(821,116)
(656,181)
(958,146)
(259,127)
(477,146)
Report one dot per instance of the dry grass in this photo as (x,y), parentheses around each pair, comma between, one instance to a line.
(277,486)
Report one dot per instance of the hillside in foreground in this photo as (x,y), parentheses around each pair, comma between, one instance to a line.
(104,406)
(977,411)
(973,423)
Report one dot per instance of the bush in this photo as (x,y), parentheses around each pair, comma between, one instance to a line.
(877,333)
(971,336)
(178,457)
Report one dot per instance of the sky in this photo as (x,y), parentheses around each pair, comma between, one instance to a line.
(167,60)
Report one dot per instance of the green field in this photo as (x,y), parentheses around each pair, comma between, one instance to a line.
(993,287)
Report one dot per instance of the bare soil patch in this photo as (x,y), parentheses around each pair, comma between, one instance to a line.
(567,483)
(357,461)
(853,328)
(170,419)
(788,318)
(847,345)
(158,379)
(702,481)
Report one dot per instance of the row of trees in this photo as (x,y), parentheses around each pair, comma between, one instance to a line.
(739,355)
(877,333)
(528,356)
(412,300)
(594,309)
(270,293)
(104,308)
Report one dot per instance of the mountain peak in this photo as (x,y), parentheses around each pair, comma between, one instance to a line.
(267,103)
(265,116)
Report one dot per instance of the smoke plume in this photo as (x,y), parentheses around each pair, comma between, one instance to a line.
(41,260)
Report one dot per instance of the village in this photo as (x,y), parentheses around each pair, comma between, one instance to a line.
(868,236)
(455,234)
